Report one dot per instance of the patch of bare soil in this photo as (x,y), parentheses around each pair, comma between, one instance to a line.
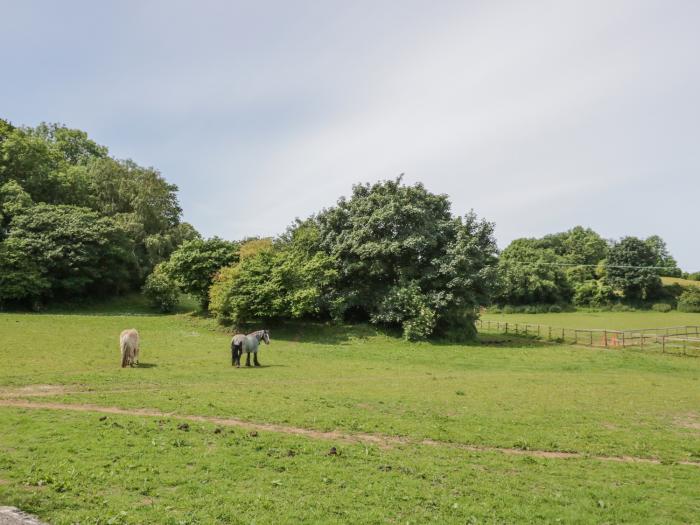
(14,516)
(380,440)
(690,420)
(38,390)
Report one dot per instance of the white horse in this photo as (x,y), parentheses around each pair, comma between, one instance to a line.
(248,343)
(129,346)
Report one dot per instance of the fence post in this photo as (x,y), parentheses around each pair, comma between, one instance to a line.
(549,337)
(538,330)
(641,338)
(526,325)
(575,337)
(623,339)
(562,335)
(506,328)
(605,335)
(663,345)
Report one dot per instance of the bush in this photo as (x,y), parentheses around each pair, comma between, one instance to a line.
(593,293)
(508,309)
(420,326)
(161,291)
(689,301)
(621,308)
(662,307)
(555,309)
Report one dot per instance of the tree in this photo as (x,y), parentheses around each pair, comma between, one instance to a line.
(667,265)
(393,240)
(64,251)
(274,280)
(161,290)
(195,263)
(531,274)
(53,164)
(630,268)
(689,301)
(13,201)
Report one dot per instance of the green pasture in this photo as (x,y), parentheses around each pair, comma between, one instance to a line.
(501,392)
(683,282)
(602,320)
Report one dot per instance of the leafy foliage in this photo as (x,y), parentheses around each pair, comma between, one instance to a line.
(52,165)
(630,267)
(666,264)
(395,241)
(689,301)
(161,290)
(281,280)
(64,251)
(531,274)
(195,263)
(594,293)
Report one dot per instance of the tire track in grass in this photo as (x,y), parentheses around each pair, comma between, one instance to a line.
(380,440)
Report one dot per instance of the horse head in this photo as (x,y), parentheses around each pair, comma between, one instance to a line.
(266,336)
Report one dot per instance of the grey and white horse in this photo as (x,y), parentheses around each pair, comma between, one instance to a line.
(249,344)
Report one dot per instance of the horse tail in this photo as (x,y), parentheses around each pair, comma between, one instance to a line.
(124,346)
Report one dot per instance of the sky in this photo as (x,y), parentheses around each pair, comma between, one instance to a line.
(538,115)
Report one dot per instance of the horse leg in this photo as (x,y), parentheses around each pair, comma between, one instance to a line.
(255,359)
(247,359)
(239,352)
(233,355)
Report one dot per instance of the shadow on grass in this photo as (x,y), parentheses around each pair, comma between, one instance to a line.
(323,333)
(146,365)
(134,304)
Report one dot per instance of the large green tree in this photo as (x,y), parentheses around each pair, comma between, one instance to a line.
(532,274)
(631,268)
(63,251)
(55,165)
(403,259)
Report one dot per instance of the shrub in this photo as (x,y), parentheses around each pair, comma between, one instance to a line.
(662,307)
(593,293)
(555,309)
(508,309)
(420,326)
(621,308)
(161,290)
(689,301)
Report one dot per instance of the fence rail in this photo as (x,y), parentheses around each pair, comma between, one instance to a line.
(683,340)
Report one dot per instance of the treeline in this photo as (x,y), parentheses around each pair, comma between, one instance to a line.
(390,254)
(580,268)
(76,222)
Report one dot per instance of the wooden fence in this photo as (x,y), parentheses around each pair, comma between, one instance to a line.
(683,340)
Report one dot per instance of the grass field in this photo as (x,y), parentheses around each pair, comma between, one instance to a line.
(678,280)
(603,320)
(504,430)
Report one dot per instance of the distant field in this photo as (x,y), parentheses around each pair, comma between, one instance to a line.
(602,320)
(682,282)
(494,414)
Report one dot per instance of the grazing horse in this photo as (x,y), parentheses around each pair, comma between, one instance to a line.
(248,343)
(129,346)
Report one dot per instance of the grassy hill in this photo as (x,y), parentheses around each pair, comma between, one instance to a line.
(677,280)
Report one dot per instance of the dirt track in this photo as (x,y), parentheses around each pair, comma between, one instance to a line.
(379,440)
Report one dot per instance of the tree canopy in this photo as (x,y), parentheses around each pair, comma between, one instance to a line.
(72,206)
